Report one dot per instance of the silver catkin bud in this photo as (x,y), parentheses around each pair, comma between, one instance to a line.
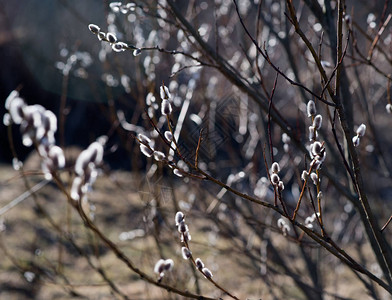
(169,264)
(356,140)
(146,150)
(168,136)
(275,168)
(56,154)
(164,92)
(137,52)
(182,227)
(185,237)
(199,263)
(280,186)
(159,266)
(159,156)
(316,148)
(186,253)
(76,189)
(166,108)
(178,173)
(388,107)
(143,138)
(361,130)
(16,107)
(275,179)
(94,28)
(311,108)
(314,178)
(14,94)
(118,47)
(179,217)
(207,273)
(111,37)
(317,122)
(101,35)
(312,133)
(285,138)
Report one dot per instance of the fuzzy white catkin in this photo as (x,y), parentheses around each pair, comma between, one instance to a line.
(311,108)
(285,138)
(185,237)
(137,52)
(317,122)
(118,47)
(275,178)
(96,152)
(275,168)
(361,130)
(168,136)
(312,133)
(164,93)
(49,120)
(178,173)
(281,222)
(169,264)
(316,148)
(179,218)
(143,138)
(94,28)
(314,178)
(111,37)
(56,154)
(146,150)
(388,107)
(115,6)
(281,186)
(101,35)
(207,273)
(159,266)
(320,196)
(356,140)
(76,188)
(16,110)
(14,94)
(159,156)
(7,120)
(186,253)
(199,263)
(82,162)
(166,108)
(182,227)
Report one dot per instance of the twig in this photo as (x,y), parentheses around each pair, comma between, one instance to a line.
(381,29)
(23,196)
(198,147)
(201,271)
(386,224)
(302,194)
(113,247)
(269,118)
(265,55)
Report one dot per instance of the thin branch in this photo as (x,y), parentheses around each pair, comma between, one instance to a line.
(266,57)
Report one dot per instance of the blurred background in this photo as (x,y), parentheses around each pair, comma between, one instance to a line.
(48,53)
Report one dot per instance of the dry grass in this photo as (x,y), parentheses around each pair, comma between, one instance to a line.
(125,202)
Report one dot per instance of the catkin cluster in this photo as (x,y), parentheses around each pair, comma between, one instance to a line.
(86,168)
(185,238)
(38,127)
(111,38)
(317,151)
(179,168)
(359,134)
